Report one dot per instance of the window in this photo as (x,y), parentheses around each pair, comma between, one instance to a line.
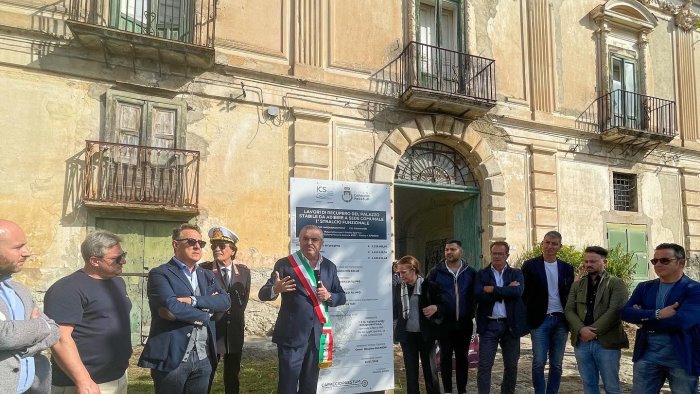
(624,192)
(631,238)
(439,34)
(169,19)
(134,119)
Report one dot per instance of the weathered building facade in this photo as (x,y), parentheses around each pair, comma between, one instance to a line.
(492,120)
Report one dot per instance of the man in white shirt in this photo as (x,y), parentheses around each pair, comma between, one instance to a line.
(547,284)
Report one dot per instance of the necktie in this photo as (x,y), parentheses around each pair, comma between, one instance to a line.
(226,276)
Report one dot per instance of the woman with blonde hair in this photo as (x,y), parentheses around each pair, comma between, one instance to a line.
(417,309)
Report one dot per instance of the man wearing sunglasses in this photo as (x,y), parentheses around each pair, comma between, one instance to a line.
(230,325)
(183,297)
(667,345)
(92,309)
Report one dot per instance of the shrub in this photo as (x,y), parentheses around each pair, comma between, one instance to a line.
(620,264)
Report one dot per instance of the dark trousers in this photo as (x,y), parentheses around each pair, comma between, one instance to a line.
(457,342)
(414,347)
(298,365)
(232,366)
(497,333)
(190,377)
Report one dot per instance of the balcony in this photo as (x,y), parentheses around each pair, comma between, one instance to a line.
(140,177)
(429,78)
(630,118)
(166,31)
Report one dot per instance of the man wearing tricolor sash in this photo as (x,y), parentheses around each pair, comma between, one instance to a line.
(309,285)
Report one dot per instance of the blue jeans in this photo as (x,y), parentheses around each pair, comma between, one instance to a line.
(548,339)
(190,377)
(649,377)
(595,361)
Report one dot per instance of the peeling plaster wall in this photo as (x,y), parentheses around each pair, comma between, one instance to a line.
(236,189)
(661,201)
(496,31)
(513,165)
(47,120)
(661,72)
(354,148)
(575,56)
(583,197)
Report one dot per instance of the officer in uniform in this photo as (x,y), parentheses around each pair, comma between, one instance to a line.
(235,278)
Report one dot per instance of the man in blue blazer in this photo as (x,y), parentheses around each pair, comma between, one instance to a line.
(667,345)
(298,328)
(547,284)
(182,297)
(500,318)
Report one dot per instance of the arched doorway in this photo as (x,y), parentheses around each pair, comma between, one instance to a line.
(436,198)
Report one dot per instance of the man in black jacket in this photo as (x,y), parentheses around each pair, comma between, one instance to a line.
(547,284)
(455,278)
(500,318)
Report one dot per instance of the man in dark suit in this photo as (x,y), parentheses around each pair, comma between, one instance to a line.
(230,325)
(182,296)
(500,318)
(547,284)
(309,284)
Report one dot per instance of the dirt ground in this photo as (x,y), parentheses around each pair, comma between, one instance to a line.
(571,383)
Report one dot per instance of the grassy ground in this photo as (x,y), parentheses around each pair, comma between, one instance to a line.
(258,375)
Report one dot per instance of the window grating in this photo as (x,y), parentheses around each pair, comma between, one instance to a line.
(432,162)
(625,192)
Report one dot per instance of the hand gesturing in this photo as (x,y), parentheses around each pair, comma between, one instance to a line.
(283,285)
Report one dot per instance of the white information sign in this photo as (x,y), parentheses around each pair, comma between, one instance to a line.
(355,218)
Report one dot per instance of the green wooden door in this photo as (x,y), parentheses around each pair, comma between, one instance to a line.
(633,239)
(148,244)
(467,229)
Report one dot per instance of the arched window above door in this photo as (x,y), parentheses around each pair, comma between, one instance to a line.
(435,163)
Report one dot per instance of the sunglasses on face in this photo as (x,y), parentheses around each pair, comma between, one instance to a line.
(218,246)
(663,261)
(118,259)
(193,242)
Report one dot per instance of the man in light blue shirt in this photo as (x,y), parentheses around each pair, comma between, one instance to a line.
(24,330)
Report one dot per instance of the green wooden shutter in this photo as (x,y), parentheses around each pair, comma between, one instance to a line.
(633,239)
(637,241)
(467,229)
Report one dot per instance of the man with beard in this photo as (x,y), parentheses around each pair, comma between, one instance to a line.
(25,330)
(593,312)
(455,278)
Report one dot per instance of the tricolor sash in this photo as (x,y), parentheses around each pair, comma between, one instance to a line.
(306,276)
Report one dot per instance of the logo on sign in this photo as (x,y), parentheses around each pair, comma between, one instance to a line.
(347,194)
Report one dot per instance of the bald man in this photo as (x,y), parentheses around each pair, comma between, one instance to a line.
(24,330)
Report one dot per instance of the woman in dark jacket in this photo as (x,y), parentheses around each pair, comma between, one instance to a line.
(417,309)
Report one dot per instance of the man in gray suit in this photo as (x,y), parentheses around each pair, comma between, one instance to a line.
(24,330)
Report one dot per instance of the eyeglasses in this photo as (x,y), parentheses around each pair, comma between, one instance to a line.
(663,261)
(219,246)
(119,259)
(193,242)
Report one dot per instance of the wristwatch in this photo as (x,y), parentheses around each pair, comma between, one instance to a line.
(657,314)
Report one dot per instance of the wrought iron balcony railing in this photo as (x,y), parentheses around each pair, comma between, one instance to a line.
(439,70)
(187,21)
(141,175)
(632,111)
